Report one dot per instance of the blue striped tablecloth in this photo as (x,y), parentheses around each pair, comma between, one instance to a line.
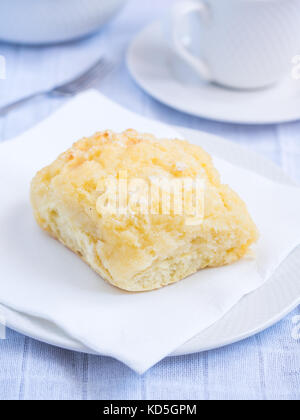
(263,367)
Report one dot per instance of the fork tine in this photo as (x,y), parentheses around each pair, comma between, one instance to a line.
(88,81)
(98,72)
(106,68)
(86,75)
(75,83)
(96,76)
(71,87)
(93,80)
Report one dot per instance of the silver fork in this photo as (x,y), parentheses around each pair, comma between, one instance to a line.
(85,80)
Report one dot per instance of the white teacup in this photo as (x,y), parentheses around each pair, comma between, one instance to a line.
(244,44)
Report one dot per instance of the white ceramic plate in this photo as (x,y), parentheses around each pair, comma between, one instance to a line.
(48,21)
(160,73)
(252,314)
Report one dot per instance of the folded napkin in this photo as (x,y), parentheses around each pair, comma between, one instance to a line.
(42,278)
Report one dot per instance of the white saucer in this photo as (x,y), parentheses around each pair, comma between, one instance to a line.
(252,314)
(159,72)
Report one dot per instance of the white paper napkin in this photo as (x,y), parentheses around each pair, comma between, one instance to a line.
(40,277)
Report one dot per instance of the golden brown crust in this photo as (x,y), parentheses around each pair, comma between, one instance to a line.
(136,251)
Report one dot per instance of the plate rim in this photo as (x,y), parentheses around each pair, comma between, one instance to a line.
(216,117)
(80,348)
(69,343)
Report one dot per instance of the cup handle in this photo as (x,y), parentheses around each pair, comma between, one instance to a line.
(180,12)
